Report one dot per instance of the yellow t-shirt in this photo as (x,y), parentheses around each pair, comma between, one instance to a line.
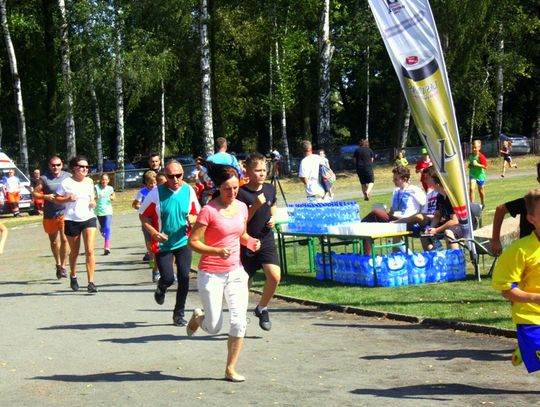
(520,263)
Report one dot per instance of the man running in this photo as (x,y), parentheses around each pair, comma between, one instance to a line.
(53,214)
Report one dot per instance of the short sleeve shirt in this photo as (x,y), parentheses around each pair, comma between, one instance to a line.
(104,204)
(309,168)
(80,210)
(477,173)
(256,226)
(50,185)
(408,201)
(520,264)
(363,157)
(222,231)
(517,207)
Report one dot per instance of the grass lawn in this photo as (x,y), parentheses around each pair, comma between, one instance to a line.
(467,301)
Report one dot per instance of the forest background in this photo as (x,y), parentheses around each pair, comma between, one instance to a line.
(118,78)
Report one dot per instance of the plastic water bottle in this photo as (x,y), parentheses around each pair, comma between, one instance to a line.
(437,244)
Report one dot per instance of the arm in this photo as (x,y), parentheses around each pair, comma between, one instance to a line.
(500,212)
(38,193)
(439,229)
(272,221)
(518,295)
(196,243)
(3,237)
(136,204)
(156,234)
(304,180)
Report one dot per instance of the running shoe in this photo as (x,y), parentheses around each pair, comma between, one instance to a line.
(60,272)
(146,257)
(264,319)
(159,296)
(155,276)
(516,357)
(178,320)
(106,252)
(92,288)
(73,283)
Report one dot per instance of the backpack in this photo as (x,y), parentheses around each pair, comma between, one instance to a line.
(327,178)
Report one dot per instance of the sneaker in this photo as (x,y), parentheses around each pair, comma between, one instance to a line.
(146,257)
(516,357)
(159,296)
(106,252)
(264,319)
(502,175)
(193,323)
(92,288)
(155,276)
(60,272)
(178,320)
(73,283)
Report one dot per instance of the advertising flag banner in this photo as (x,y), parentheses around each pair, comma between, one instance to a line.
(410,35)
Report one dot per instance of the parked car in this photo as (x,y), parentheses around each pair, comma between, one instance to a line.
(520,144)
(26,203)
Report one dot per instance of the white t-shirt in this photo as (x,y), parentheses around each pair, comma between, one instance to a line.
(80,210)
(12,184)
(431,203)
(309,168)
(407,201)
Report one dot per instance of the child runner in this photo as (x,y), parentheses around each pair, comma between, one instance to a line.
(421,165)
(517,276)
(506,154)
(401,160)
(150,183)
(260,198)
(104,210)
(477,171)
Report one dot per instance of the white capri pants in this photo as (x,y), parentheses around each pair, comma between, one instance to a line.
(212,288)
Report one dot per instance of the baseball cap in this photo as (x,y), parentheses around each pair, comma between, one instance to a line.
(424,151)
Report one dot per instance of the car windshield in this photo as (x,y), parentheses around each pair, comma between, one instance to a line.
(18,174)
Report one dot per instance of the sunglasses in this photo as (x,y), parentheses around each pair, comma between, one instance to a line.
(56,165)
(83,167)
(173,176)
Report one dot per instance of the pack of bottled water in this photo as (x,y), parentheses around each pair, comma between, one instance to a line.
(393,270)
(316,217)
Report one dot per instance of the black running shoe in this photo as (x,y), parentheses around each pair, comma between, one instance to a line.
(92,288)
(106,252)
(146,257)
(73,283)
(159,296)
(178,320)
(58,271)
(264,319)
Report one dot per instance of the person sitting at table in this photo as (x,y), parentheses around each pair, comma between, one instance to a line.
(407,201)
(445,221)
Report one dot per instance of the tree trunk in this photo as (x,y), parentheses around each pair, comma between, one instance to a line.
(497,117)
(162,141)
(17,91)
(206,88)
(50,66)
(367,95)
(270,100)
(406,126)
(325,55)
(284,140)
(97,118)
(119,93)
(71,142)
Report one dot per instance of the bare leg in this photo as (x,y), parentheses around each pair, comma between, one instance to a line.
(55,247)
(89,237)
(368,189)
(234,346)
(74,245)
(482,193)
(3,237)
(64,248)
(273,276)
(472,182)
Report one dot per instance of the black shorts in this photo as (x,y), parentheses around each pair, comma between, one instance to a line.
(74,229)
(267,254)
(365,175)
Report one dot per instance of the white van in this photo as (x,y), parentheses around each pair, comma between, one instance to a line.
(26,203)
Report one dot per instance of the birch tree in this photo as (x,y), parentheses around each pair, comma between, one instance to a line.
(97,123)
(71,142)
(119,94)
(325,56)
(17,90)
(206,86)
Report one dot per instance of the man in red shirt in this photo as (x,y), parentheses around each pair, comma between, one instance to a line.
(421,165)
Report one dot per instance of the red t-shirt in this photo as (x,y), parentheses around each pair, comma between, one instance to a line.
(222,232)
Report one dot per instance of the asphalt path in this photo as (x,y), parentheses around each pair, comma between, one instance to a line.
(119,348)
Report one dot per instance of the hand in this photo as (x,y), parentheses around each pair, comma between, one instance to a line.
(257,244)
(224,253)
(191,219)
(72,198)
(160,237)
(261,199)
(92,204)
(271,222)
(496,247)
(431,231)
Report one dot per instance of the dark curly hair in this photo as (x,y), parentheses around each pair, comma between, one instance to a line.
(220,173)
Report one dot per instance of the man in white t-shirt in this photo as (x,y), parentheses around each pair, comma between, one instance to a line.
(309,173)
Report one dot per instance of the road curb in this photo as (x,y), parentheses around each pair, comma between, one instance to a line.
(427,322)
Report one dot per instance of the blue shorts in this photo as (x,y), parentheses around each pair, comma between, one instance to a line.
(478,182)
(529,345)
